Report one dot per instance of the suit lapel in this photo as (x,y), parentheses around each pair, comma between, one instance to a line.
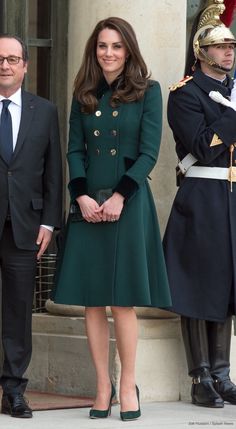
(27,113)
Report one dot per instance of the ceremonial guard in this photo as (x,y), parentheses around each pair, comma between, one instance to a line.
(199,242)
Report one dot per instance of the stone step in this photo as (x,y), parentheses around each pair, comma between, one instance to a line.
(61,361)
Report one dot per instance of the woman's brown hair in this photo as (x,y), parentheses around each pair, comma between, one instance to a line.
(135,74)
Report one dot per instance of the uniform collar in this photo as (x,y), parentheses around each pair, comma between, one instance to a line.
(207,83)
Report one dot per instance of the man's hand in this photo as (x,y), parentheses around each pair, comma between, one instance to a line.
(43,240)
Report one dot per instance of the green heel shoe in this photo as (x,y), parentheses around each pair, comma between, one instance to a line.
(131,415)
(102,414)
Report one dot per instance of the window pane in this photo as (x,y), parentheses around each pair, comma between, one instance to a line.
(39,71)
(39,19)
(1,16)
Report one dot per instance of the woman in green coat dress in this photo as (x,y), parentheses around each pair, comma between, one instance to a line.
(113,254)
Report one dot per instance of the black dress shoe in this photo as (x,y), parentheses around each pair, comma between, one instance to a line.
(204,395)
(226,389)
(16,406)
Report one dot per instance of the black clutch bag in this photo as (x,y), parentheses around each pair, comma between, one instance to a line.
(100,196)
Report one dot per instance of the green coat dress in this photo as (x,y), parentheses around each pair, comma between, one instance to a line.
(119,263)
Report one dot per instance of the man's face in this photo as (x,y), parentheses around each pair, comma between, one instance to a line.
(11,76)
(222,54)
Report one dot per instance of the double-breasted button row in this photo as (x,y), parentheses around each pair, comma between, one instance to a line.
(115,113)
(97,133)
(112,151)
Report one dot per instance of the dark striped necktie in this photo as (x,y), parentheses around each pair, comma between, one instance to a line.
(6,140)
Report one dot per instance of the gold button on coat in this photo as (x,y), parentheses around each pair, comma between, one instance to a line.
(98,113)
(96,133)
(113,152)
(115,113)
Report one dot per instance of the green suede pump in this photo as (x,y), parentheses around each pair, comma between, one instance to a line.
(131,415)
(102,414)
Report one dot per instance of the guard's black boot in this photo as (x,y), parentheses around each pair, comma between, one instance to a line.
(227,389)
(219,349)
(203,392)
(196,347)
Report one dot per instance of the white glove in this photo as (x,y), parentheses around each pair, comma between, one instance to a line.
(233,92)
(218,97)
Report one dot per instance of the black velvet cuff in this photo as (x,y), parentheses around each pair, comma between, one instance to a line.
(77,187)
(126,187)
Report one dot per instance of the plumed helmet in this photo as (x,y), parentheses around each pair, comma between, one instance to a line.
(211,31)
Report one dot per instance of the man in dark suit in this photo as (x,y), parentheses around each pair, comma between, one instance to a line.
(30,207)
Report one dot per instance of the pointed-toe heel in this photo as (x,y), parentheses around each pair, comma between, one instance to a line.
(102,414)
(131,415)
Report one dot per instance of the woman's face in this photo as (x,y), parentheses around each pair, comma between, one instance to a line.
(111,53)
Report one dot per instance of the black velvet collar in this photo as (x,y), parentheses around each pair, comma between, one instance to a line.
(104,86)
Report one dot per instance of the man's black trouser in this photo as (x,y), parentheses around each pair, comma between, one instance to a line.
(18,269)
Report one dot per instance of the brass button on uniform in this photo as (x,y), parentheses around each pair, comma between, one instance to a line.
(96,133)
(115,113)
(114,133)
(113,152)
(98,151)
(98,113)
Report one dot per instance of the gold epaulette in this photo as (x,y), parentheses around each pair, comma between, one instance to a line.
(181,83)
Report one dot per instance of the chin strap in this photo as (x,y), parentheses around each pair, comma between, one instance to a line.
(212,63)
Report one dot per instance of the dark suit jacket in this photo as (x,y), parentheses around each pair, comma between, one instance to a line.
(31,185)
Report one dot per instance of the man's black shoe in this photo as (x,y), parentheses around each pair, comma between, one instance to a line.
(16,406)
